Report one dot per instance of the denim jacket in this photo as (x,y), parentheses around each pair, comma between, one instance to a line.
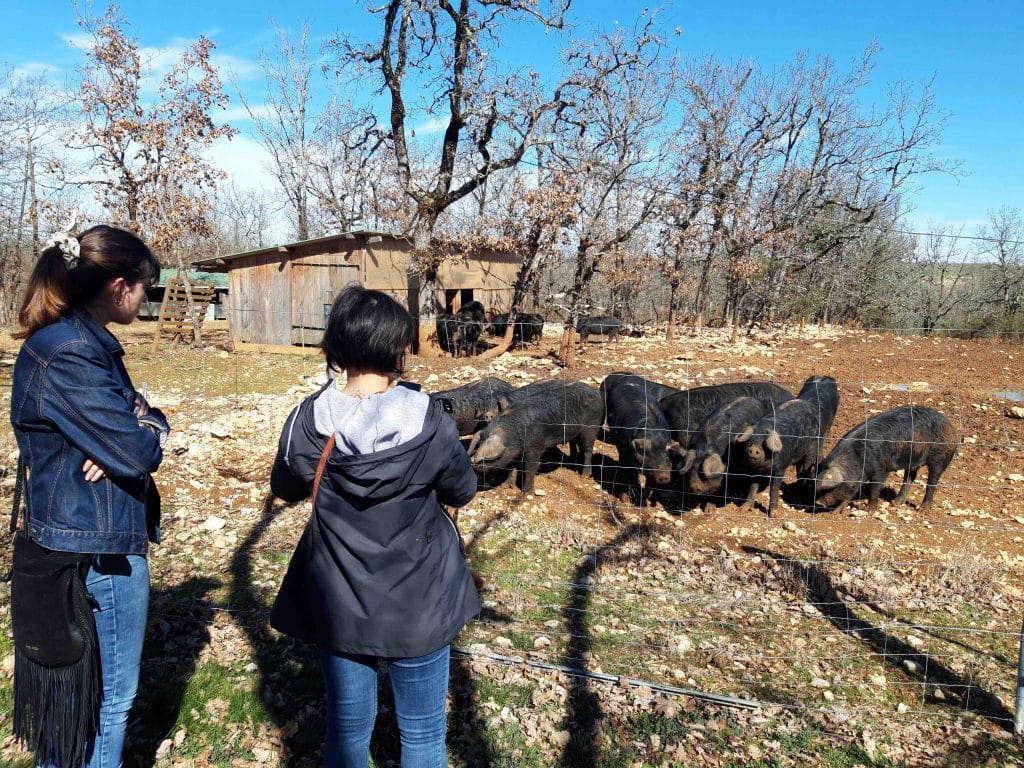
(72,400)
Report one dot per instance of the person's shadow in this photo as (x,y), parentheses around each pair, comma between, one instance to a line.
(177,631)
(289,673)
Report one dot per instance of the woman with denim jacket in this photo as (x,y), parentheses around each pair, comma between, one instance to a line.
(90,442)
(379,577)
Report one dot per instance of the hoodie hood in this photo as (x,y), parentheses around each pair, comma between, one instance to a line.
(377,476)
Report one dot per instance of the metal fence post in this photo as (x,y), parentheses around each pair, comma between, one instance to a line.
(1018,717)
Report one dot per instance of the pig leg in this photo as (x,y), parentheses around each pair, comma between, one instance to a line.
(842,505)
(773,494)
(874,492)
(909,475)
(751,495)
(935,470)
(531,465)
(586,446)
(627,463)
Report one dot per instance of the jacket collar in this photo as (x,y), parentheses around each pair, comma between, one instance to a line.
(105,338)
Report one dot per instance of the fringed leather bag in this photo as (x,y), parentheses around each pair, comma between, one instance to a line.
(57,680)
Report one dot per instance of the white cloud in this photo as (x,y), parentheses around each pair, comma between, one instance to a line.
(237,113)
(28,69)
(158,60)
(244,160)
(431,126)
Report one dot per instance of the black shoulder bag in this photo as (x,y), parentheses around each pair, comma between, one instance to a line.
(57,681)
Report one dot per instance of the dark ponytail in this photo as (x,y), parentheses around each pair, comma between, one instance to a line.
(59,284)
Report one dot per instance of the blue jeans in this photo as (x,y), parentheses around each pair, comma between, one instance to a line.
(120,584)
(420,686)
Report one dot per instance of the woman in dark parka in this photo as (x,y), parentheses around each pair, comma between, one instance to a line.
(379,576)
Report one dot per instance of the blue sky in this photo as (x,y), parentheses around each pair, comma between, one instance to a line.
(975,52)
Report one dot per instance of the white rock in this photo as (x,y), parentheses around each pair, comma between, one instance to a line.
(213,523)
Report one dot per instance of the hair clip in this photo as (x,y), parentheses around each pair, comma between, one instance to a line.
(67,242)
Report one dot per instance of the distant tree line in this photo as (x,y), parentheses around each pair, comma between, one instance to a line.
(632,181)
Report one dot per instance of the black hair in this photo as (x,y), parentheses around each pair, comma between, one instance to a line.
(367,330)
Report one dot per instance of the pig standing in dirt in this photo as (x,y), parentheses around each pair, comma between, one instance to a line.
(686,409)
(469,323)
(637,427)
(792,435)
(530,423)
(470,403)
(905,438)
(601,325)
(711,459)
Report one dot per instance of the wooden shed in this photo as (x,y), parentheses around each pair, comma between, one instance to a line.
(281,295)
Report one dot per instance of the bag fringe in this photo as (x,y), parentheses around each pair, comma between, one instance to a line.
(56,710)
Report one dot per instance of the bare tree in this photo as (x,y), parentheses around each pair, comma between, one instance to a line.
(285,123)
(32,117)
(244,217)
(935,281)
(610,141)
(353,177)
(149,170)
(446,50)
(1004,250)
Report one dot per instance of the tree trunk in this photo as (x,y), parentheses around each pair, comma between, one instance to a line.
(427,302)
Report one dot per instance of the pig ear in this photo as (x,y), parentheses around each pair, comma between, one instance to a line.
(675,451)
(641,446)
(774,441)
(746,434)
(489,449)
(688,458)
(713,466)
(830,478)
(503,403)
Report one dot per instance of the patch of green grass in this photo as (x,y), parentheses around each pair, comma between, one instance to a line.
(849,756)
(504,694)
(641,725)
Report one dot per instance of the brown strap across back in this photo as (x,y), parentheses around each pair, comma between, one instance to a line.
(320,468)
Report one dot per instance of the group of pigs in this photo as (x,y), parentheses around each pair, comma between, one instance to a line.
(719,442)
(459,333)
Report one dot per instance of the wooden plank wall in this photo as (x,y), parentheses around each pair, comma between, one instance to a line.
(259,300)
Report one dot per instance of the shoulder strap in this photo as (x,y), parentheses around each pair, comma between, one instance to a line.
(320,467)
(19,490)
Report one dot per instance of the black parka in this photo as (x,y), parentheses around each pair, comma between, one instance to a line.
(379,569)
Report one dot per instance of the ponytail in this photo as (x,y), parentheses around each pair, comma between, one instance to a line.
(71,272)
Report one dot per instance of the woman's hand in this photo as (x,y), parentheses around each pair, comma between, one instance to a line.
(140,407)
(93,472)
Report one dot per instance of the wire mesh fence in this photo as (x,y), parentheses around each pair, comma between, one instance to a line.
(893,614)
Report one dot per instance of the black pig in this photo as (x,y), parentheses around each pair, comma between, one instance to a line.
(686,409)
(793,434)
(469,403)
(637,427)
(529,424)
(528,326)
(905,438)
(469,325)
(601,325)
(711,457)
(447,333)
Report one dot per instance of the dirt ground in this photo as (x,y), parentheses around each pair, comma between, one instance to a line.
(717,600)
(976,383)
